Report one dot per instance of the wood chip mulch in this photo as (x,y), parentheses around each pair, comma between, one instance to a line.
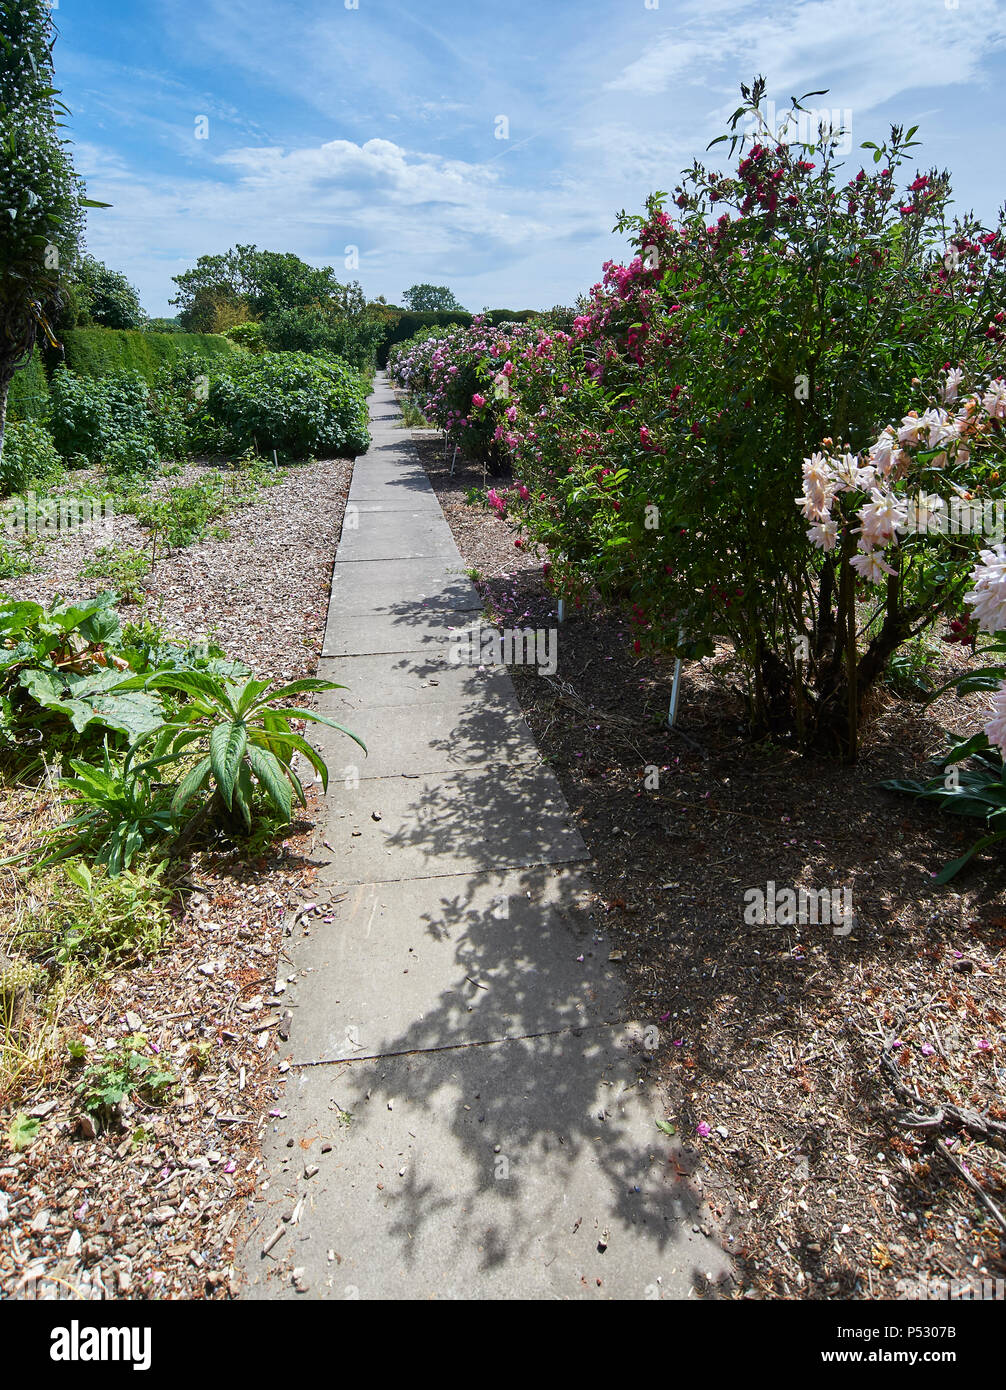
(153,1207)
(770,1036)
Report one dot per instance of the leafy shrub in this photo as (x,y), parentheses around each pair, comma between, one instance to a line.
(247,335)
(314,329)
(299,405)
(766,312)
(29,459)
(90,415)
(242,730)
(130,454)
(105,296)
(239,732)
(60,680)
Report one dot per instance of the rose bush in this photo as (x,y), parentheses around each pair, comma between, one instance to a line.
(460,378)
(659,444)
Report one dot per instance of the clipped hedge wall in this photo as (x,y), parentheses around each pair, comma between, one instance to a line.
(98,351)
(29,392)
(498,316)
(409,323)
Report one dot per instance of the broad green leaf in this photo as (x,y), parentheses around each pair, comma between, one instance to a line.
(227,750)
(190,785)
(272,779)
(244,792)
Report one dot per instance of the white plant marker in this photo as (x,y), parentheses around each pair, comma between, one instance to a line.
(672,712)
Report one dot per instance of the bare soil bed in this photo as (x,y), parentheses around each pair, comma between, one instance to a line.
(771,1036)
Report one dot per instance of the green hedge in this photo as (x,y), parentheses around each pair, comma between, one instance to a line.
(408,323)
(98,351)
(498,316)
(29,392)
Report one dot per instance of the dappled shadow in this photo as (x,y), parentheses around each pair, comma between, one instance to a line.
(501,1123)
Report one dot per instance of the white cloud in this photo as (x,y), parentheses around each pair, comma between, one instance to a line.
(858,46)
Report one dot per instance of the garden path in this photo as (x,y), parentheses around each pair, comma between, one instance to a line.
(462,1113)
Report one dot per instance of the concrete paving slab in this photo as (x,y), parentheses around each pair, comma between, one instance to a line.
(447,823)
(362,634)
(409,678)
(392,476)
(448,736)
(384,500)
(401,536)
(366,586)
(527,1169)
(470,959)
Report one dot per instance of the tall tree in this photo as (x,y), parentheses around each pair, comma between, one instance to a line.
(266,281)
(40,195)
(431,299)
(106,296)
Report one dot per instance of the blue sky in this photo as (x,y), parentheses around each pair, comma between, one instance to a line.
(376,127)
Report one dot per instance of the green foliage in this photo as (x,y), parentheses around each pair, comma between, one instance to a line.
(99,352)
(29,392)
(241,735)
(125,566)
(407,325)
(130,455)
(299,405)
(90,414)
(181,515)
(432,299)
(22,1132)
(495,317)
(147,650)
(909,669)
(765,309)
(40,195)
(103,918)
(264,281)
(234,736)
(126,1070)
(59,680)
(323,330)
(163,326)
(15,561)
(105,296)
(977,791)
(120,810)
(184,514)
(248,335)
(30,459)
(191,727)
(412,415)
